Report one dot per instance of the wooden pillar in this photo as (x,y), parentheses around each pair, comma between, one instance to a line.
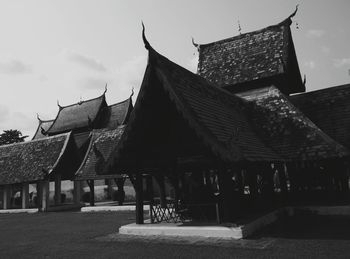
(161,183)
(6,197)
(77,192)
(282,178)
(91,184)
(38,195)
(57,189)
(25,195)
(45,195)
(139,198)
(226,206)
(109,188)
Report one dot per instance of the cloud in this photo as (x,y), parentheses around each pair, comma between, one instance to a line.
(90,83)
(340,62)
(310,64)
(14,67)
(325,49)
(4,113)
(130,74)
(315,33)
(84,61)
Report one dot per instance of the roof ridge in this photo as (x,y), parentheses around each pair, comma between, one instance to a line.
(35,140)
(114,104)
(71,105)
(323,89)
(286,21)
(81,102)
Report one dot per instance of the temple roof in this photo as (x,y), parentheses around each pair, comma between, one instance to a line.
(287,130)
(329,109)
(43,125)
(76,116)
(102,143)
(263,55)
(38,159)
(118,114)
(213,114)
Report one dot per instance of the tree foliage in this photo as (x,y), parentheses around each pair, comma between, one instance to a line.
(11,136)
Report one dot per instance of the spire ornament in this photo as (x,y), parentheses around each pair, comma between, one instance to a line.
(145,41)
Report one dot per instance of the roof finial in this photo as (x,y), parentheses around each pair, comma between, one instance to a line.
(58,104)
(132,92)
(196,45)
(239,28)
(304,81)
(294,13)
(43,131)
(105,91)
(145,41)
(37,116)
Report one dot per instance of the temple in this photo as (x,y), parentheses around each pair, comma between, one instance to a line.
(218,148)
(219,145)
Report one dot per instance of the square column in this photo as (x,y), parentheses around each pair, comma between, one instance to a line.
(77,192)
(139,198)
(57,189)
(6,197)
(45,191)
(25,195)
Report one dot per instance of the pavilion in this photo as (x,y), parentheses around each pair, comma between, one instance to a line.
(37,162)
(89,121)
(212,134)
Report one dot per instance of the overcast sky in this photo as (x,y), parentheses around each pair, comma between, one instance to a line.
(68,50)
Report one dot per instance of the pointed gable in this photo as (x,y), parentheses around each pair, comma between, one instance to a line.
(77,116)
(214,116)
(44,125)
(118,114)
(102,143)
(251,60)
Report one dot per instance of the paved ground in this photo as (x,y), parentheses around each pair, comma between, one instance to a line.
(93,235)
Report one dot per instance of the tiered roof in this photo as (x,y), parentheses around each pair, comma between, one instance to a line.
(287,130)
(102,143)
(38,159)
(213,114)
(81,115)
(329,109)
(252,60)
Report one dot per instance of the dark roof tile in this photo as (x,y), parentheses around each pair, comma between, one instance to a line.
(76,116)
(329,109)
(33,160)
(287,130)
(102,143)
